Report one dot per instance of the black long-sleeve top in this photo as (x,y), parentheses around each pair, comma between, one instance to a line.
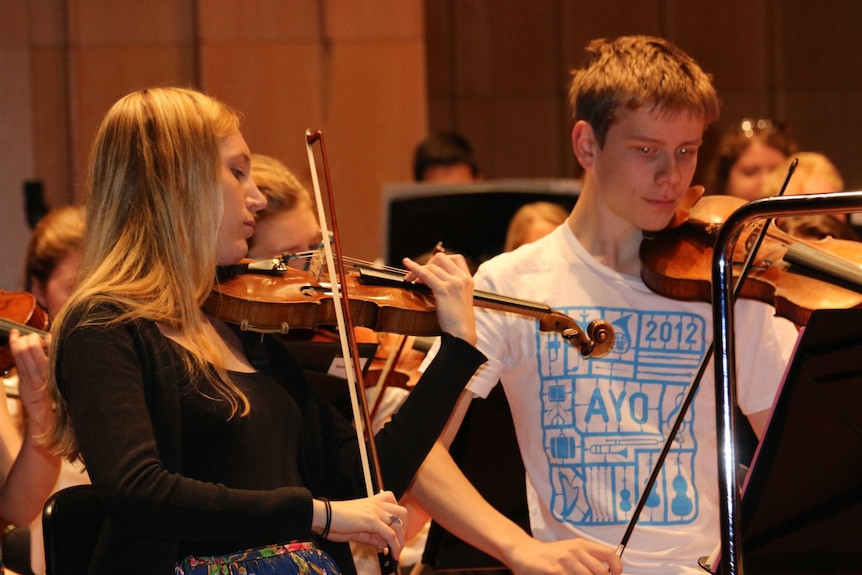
(176,477)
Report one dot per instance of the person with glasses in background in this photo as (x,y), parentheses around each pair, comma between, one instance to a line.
(746,155)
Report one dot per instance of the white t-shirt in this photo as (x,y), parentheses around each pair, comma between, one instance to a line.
(590,429)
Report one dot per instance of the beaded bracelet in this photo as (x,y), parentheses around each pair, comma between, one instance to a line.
(325,533)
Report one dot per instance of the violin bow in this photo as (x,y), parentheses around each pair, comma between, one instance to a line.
(347,336)
(689,397)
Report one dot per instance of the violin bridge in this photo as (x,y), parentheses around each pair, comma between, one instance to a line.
(316,264)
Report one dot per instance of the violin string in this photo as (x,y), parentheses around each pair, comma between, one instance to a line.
(482,298)
(355,263)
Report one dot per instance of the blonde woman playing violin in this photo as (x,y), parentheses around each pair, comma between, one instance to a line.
(205,446)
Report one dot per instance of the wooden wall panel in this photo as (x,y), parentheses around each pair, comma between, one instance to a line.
(370,141)
(439,50)
(377,75)
(503,50)
(500,85)
(442,68)
(228,21)
(522,145)
(731,39)
(16,138)
(16,150)
(46,22)
(581,21)
(585,20)
(375,20)
(819,79)
(276,87)
(829,121)
(734,41)
(14,25)
(101,74)
(115,48)
(123,23)
(51,135)
(266,59)
(355,71)
(821,43)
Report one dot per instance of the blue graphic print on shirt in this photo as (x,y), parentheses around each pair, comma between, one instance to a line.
(605,420)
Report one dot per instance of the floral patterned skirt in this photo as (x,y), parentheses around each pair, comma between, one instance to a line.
(296,558)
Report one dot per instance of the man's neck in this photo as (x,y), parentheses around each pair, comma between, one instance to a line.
(611,240)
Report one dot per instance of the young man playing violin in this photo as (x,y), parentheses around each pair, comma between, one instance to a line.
(590,429)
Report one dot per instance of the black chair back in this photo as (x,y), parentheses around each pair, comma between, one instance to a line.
(16,550)
(71,521)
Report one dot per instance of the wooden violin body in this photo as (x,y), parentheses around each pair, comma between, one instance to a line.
(18,310)
(295,299)
(380,300)
(787,272)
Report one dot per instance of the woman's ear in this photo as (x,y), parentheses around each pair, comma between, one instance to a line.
(584,143)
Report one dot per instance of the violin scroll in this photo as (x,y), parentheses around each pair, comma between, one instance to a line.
(596,342)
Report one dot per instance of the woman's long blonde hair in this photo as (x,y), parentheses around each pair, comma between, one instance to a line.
(153,214)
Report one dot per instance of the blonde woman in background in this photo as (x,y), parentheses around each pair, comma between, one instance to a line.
(533,221)
(814,174)
(288,224)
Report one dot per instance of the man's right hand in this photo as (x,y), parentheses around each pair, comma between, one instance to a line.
(570,556)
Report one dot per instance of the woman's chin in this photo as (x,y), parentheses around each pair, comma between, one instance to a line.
(232,256)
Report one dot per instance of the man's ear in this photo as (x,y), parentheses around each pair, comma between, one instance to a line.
(584,143)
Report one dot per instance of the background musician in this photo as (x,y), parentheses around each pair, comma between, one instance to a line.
(288,224)
(589,429)
(814,174)
(533,221)
(445,158)
(51,267)
(746,155)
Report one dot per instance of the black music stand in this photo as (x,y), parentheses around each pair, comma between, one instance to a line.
(801,508)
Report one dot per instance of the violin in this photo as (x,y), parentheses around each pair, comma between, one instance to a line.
(274,297)
(18,310)
(795,276)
